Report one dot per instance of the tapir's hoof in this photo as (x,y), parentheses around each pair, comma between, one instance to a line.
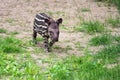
(47,50)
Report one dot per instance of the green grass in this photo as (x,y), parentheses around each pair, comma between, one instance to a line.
(115,2)
(85,10)
(11,21)
(82,68)
(3,30)
(14,33)
(87,67)
(40,39)
(103,39)
(63,27)
(78,46)
(91,27)
(114,22)
(65,50)
(117,38)
(11,45)
(24,68)
(110,53)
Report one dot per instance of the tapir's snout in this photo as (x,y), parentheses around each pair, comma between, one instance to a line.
(56,40)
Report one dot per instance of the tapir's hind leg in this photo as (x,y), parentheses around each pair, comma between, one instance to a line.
(34,37)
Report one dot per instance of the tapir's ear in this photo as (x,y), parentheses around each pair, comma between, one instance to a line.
(59,21)
(47,21)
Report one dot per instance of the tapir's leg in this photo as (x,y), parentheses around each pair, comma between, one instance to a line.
(51,43)
(46,44)
(34,37)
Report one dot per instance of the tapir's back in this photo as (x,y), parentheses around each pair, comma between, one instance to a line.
(40,25)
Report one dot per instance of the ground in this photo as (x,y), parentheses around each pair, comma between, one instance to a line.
(18,16)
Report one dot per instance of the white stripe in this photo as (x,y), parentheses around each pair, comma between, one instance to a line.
(44,31)
(39,19)
(38,30)
(37,24)
(40,25)
(42,16)
(44,26)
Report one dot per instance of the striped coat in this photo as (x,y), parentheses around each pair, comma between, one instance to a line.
(40,26)
(47,28)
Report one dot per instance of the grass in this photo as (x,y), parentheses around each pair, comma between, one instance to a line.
(63,27)
(65,50)
(117,38)
(85,10)
(88,67)
(90,27)
(10,45)
(39,39)
(14,33)
(3,30)
(114,22)
(11,21)
(82,68)
(103,39)
(115,2)
(24,68)
(110,53)
(78,46)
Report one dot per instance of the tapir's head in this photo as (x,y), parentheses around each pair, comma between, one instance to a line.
(53,28)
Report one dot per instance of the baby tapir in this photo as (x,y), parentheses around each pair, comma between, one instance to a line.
(47,28)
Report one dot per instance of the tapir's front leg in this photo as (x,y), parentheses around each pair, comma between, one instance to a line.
(51,43)
(46,44)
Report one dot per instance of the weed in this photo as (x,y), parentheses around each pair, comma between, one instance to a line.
(49,13)
(78,46)
(115,2)
(59,13)
(25,68)
(27,0)
(63,27)
(3,30)
(103,39)
(65,49)
(117,38)
(14,33)
(85,9)
(40,39)
(109,53)
(11,21)
(114,22)
(39,50)
(91,27)
(10,45)
(81,68)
